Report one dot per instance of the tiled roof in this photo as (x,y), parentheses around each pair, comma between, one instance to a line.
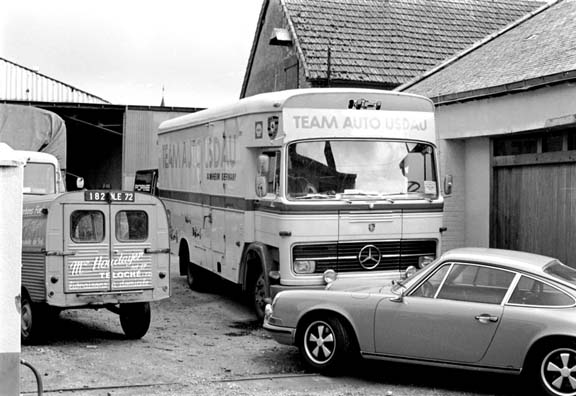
(392,41)
(540,49)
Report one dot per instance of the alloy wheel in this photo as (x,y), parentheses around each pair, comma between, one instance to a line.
(319,342)
(558,371)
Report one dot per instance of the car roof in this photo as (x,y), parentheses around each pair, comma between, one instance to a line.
(517,260)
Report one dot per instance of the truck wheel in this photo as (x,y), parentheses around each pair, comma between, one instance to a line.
(195,278)
(135,319)
(29,325)
(259,294)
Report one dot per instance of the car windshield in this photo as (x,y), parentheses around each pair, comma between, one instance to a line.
(366,169)
(39,178)
(561,271)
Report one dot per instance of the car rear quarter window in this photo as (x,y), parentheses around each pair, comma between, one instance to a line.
(131,225)
(476,283)
(87,226)
(532,292)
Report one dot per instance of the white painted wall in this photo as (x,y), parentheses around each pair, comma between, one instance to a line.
(11,180)
(464,133)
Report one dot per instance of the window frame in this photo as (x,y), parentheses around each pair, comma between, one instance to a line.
(117,228)
(504,300)
(72,228)
(537,279)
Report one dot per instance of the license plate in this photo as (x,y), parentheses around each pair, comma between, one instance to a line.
(109,196)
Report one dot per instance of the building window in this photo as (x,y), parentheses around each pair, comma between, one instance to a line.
(515,146)
(552,142)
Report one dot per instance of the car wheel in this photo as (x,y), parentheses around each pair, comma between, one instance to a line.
(135,319)
(324,344)
(556,366)
(259,295)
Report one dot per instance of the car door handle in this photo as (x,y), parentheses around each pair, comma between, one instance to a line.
(486,318)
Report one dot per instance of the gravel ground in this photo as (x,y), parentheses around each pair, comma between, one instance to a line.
(210,344)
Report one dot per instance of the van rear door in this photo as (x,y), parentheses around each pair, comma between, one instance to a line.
(110,245)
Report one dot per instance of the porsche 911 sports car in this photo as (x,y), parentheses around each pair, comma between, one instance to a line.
(473,308)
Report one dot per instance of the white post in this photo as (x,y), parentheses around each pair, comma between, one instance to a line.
(11,181)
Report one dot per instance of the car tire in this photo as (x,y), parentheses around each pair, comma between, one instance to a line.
(135,319)
(554,369)
(325,345)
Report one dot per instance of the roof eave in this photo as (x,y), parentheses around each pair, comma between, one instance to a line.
(505,89)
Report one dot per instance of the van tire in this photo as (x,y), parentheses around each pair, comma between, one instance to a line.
(135,319)
(30,321)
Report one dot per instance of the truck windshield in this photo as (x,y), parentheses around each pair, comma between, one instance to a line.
(366,169)
(39,178)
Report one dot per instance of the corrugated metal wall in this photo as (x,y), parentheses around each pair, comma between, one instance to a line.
(20,83)
(140,137)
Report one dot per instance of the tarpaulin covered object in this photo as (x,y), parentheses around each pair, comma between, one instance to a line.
(33,129)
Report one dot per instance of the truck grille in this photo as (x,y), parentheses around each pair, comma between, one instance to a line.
(344,257)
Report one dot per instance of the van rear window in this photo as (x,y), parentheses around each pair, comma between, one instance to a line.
(87,226)
(131,225)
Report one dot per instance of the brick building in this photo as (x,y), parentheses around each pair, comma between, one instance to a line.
(365,43)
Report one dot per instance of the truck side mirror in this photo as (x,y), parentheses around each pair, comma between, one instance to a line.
(261,186)
(263,165)
(79,183)
(448,182)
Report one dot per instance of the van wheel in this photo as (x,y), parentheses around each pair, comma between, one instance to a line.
(259,295)
(29,325)
(135,319)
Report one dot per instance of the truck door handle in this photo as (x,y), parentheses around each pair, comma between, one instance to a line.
(156,251)
(486,318)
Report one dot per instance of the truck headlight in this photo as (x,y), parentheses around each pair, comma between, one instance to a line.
(304,266)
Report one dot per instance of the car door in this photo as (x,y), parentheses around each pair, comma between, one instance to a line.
(450,316)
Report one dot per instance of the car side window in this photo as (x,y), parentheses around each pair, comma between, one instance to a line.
(532,292)
(430,286)
(476,283)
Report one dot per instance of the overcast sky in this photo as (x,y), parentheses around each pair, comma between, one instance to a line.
(124,51)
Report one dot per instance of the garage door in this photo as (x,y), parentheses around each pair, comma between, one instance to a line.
(534,195)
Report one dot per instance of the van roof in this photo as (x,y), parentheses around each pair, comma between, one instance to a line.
(311,97)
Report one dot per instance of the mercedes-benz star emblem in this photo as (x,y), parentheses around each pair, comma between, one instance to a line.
(369,257)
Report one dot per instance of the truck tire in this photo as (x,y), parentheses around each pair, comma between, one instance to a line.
(135,319)
(258,294)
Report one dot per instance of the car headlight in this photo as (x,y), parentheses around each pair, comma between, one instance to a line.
(304,266)
(329,276)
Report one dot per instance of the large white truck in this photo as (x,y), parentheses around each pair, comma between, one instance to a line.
(86,248)
(290,189)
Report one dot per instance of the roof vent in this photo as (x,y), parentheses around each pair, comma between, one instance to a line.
(280,37)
